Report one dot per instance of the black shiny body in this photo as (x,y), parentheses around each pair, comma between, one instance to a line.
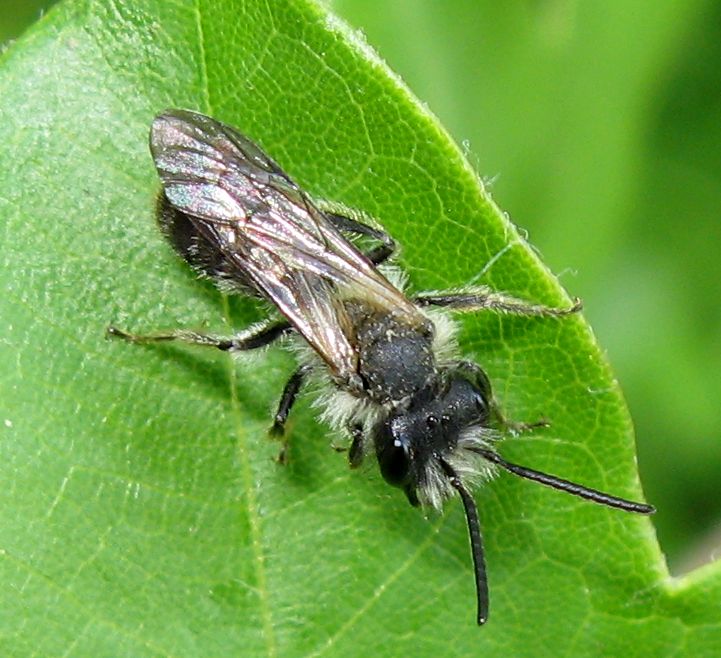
(395,359)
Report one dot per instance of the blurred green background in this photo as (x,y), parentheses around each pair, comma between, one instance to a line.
(599,125)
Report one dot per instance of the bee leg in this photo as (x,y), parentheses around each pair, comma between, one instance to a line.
(259,338)
(356,452)
(379,254)
(481,380)
(345,219)
(483,298)
(287,400)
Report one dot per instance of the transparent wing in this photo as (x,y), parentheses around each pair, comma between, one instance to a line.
(268,227)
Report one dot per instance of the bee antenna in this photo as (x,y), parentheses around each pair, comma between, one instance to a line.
(564,485)
(474,532)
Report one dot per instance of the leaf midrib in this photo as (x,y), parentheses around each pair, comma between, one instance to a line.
(251,502)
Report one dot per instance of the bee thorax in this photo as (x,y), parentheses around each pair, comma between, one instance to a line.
(395,359)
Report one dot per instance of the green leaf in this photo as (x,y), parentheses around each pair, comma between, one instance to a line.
(142,511)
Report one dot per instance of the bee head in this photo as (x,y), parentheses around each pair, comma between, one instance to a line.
(426,447)
(438,440)
(429,430)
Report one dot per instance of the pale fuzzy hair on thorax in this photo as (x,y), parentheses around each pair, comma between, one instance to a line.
(334,406)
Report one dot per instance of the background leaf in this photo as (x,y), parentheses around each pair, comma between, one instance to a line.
(143,513)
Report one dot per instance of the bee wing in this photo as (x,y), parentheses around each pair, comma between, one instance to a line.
(267,226)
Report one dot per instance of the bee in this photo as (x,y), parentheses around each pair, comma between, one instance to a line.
(386,363)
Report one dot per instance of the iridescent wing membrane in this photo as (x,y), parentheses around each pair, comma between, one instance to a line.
(268,228)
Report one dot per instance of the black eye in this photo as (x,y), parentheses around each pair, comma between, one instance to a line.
(481,404)
(394,460)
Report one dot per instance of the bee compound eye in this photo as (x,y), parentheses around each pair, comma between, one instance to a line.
(480,402)
(394,459)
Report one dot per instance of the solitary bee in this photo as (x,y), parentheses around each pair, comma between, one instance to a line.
(386,365)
